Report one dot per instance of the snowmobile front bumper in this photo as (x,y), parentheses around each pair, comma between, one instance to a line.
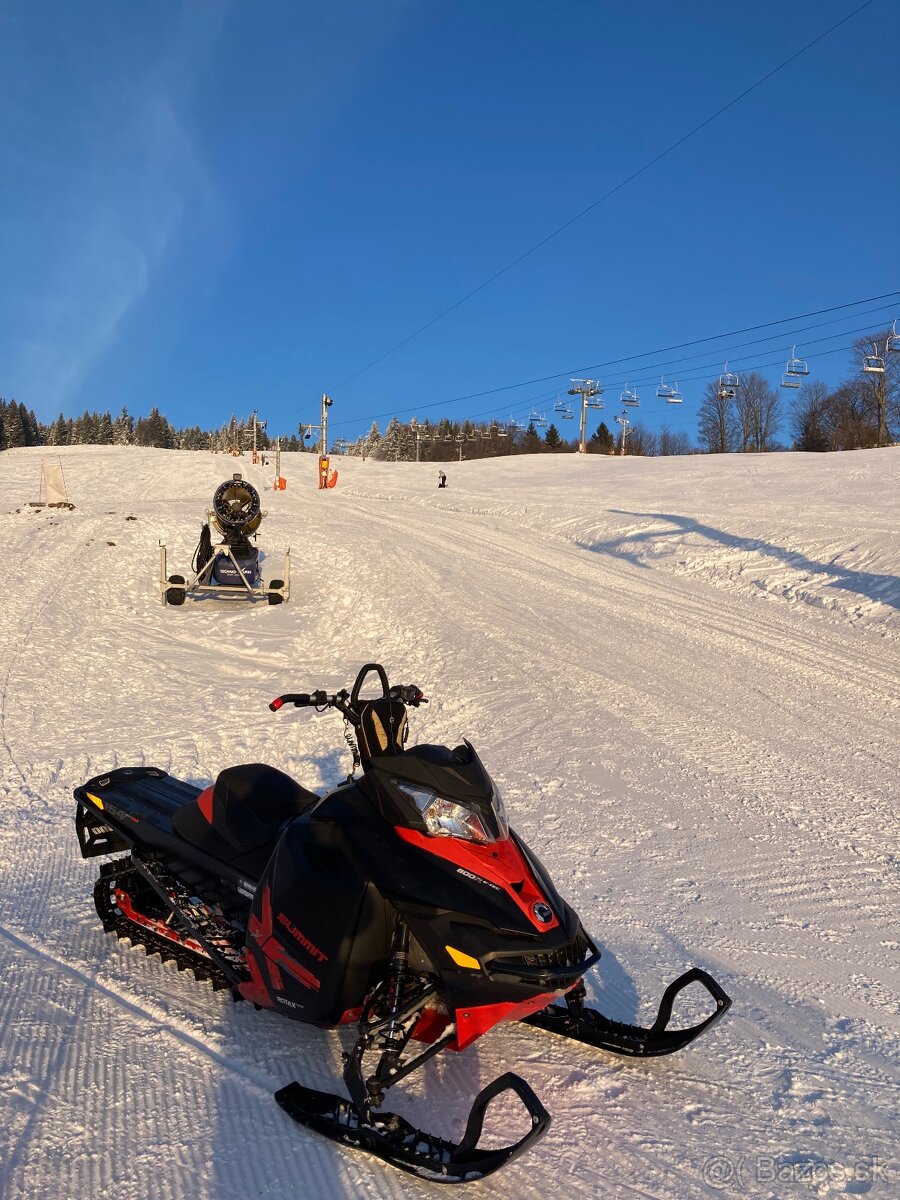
(399,1143)
(592,1028)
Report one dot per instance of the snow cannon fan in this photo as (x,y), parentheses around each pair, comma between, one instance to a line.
(237,511)
(232,565)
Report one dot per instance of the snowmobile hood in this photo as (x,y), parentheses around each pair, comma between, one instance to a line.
(458,774)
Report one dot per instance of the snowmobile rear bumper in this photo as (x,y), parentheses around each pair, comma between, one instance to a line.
(591,1027)
(394,1140)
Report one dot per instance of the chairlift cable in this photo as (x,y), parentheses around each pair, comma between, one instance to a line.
(606,195)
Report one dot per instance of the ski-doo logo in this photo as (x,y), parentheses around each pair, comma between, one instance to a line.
(543,912)
(477,878)
(301,938)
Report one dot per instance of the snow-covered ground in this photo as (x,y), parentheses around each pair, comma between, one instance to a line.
(682,672)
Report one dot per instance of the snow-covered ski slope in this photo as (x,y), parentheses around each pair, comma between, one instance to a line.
(684,675)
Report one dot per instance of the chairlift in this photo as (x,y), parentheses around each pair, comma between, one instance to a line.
(892,345)
(538,419)
(665,390)
(486,434)
(674,397)
(629,396)
(597,403)
(502,433)
(448,437)
(560,406)
(790,381)
(796,366)
(873,363)
(460,438)
(728,381)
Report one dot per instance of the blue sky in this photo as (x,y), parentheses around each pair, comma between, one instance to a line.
(216,207)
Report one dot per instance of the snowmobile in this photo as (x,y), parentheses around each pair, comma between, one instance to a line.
(401,902)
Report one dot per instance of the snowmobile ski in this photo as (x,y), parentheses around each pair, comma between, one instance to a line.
(399,1143)
(591,1027)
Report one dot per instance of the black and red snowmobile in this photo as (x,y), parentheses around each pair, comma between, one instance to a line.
(401,902)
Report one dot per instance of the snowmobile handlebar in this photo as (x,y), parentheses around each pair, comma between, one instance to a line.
(319,699)
(343,701)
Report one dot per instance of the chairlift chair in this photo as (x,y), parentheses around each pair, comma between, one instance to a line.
(538,419)
(665,390)
(674,397)
(560,406)
(796,366)
(873,363)
(790,381)
(728,381)
(892,345)
(629,396)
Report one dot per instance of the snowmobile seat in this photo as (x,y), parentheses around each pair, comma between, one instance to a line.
(383,729)
(238,819)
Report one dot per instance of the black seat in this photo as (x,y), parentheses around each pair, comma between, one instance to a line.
(239,818)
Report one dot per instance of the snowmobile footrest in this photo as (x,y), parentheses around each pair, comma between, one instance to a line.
(393,1139)
(589,1026)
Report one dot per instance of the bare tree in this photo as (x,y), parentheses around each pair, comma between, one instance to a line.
(809,417)
(717,424)
(883,389)
(851,418)
(640,441)
(674,443)
(759,412)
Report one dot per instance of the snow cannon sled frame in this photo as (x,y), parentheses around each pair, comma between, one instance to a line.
(173,589)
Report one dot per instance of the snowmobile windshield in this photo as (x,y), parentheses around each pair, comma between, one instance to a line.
(448,793)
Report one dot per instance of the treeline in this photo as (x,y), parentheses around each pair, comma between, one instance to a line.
(447,440)
(20,427)
(862,412)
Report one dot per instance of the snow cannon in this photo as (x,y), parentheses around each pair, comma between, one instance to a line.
(232,565)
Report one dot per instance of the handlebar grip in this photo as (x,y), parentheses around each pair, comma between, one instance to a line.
(298,699)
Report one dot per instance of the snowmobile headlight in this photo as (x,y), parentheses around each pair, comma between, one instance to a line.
(445,818)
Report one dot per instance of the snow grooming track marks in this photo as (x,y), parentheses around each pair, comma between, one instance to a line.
(666,745)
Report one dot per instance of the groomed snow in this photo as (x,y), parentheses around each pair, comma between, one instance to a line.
(683,673)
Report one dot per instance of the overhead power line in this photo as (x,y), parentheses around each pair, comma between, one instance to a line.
(635,358)
(606,195)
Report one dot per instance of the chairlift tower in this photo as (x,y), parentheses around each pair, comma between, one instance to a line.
(586,389)
(322,428)
(624,422)
(422,435)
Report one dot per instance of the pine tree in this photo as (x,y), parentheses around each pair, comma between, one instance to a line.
(601,440)
(552,438)
(12,424)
